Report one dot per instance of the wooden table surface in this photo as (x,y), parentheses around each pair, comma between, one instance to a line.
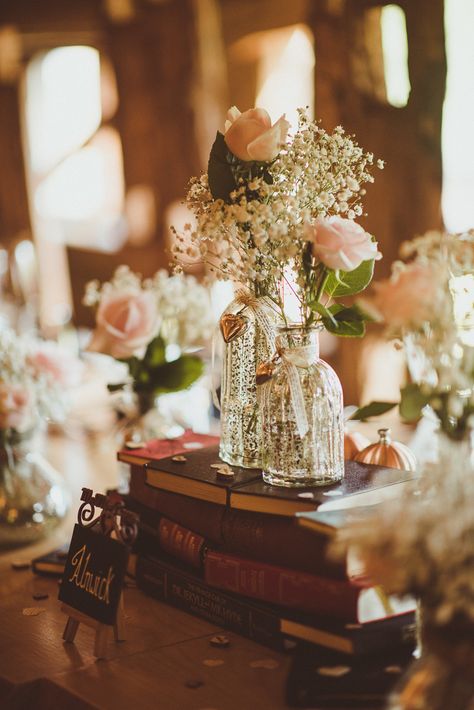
(165,648)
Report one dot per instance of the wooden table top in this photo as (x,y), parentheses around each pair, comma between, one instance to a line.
(166,649)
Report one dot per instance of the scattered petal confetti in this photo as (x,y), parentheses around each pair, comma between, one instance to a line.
(306,495)
(33,610)
(20,564)
(332,493)
(333,671)
(194,683)
(213,662)
(179,458)
(268,663)
(221,641)
(225,473)
(352,626)
(393,669)
(39,596)
(193,445)
(217,465)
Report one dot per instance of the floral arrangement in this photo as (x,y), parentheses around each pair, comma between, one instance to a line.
(138,320)
(269,205)
(429,305)
(35,377)
(423,542)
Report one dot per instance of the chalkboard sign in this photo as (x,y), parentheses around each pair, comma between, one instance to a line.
(94,574)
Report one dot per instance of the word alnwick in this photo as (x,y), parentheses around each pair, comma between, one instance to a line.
(96,584)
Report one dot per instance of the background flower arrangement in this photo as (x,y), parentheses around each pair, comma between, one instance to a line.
(267,205)
(425,305)
(138,320)
(35,380)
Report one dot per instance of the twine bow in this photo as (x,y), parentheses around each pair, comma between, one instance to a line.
(290,359)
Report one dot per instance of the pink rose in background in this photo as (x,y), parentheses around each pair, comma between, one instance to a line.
(126,322)
(251,136)
(15,406)
(409,297)
(57,364)
(341,243)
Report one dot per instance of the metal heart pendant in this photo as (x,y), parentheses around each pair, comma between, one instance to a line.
(232,325)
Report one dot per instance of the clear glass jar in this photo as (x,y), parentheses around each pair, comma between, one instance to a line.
(248,332)
(33,496)
(304,392)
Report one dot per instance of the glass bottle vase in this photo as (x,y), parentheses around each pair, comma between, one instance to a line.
(302,418)
(33,496)
(248,332)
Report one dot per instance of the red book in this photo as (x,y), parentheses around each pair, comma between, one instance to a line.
(181,542)
(163,448)
(343,600)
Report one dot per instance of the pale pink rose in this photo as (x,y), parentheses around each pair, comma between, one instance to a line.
(56,364)
(251,136)
(15,406)
(341,243)
(126,322)
(408,298)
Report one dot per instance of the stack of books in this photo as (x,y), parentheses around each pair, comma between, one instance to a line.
(252,557)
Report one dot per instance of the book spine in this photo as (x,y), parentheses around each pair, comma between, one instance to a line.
(184,544)
(193,595)
(280,585)
(395,632)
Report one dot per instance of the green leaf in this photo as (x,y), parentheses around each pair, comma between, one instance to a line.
(374,409)
(346,283)
(322,310)
(173,376)
(412,402)
(155,352)
(116,387)
(219,170)
(345,321)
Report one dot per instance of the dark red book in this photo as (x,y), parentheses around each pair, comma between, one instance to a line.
(344,600)
(161,448)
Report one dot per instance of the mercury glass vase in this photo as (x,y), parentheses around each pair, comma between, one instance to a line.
(33,496)
(248,332)
(302,419)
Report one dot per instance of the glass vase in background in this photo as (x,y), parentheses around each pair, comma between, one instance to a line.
(247,326)
(303,388)
(33,496)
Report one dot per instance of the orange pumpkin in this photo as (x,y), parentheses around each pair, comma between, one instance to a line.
(354,442)
(388,453)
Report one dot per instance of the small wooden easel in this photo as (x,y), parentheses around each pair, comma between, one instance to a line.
(113,521)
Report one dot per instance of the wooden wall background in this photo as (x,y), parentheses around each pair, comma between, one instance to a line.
(177,70)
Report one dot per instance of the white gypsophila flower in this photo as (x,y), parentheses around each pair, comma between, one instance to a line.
(423,542)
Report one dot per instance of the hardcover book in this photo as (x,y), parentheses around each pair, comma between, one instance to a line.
(52,563)
(160,448)
(265,623)
(197,478)
(328,522)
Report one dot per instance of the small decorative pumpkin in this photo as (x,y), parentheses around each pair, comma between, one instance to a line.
(388,453)
(354,442)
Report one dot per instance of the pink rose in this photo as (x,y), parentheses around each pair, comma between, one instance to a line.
(126,322)
(341,243)
(56,364)
(251,136)
(408,298)
(15,406)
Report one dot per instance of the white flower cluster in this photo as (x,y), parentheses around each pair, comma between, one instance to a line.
(423,542)
(182,303)
(252,238)
(452,250)
(31,383)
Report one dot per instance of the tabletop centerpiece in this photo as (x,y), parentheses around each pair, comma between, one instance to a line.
(275,213)
(154,327)
(35,379)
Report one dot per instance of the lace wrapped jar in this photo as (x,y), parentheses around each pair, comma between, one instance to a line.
(247,326)
(302,419)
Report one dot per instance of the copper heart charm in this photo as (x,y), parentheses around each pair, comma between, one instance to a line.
(265,372)
(232,325)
